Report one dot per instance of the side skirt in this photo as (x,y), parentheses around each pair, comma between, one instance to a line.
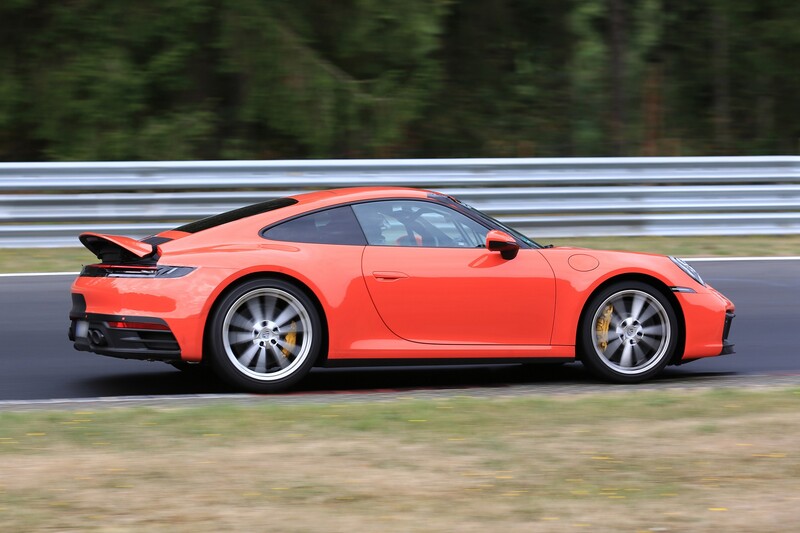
(441,361)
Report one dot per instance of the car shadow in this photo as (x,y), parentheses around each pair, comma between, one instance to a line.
(374,379)
(164,383)
(446,377)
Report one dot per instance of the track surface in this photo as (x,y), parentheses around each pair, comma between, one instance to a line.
(38,362)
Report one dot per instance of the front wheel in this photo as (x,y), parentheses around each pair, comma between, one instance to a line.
(265,336)
(628,332)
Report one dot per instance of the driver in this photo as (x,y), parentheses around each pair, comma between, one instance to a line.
(373,224)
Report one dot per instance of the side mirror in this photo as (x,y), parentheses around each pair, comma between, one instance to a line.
(500,241)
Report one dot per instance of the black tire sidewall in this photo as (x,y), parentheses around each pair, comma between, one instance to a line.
(586,333)
(224,367)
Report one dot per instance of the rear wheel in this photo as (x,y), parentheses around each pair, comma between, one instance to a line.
(265,336)
(628,332)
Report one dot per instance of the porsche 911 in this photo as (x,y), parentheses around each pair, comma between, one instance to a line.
(367,276)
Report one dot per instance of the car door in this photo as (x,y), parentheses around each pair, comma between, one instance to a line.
(432,280)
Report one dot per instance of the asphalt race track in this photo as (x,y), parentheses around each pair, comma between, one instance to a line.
(37,360)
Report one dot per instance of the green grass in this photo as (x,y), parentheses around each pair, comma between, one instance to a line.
(460,416)
(620,461)
(71,259)
(44,259)
(722,246)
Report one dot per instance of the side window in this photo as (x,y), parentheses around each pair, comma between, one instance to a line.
(415,223)
(332,226)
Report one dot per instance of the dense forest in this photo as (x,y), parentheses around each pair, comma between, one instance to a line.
(270,79)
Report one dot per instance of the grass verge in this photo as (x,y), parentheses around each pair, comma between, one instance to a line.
(676,460)
(71,259)
(722,246)
(44,259)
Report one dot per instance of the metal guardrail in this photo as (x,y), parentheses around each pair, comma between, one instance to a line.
(49,204)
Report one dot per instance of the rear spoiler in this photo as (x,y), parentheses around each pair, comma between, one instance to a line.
(115,249)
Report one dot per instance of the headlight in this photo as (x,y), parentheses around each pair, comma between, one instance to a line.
(690,271)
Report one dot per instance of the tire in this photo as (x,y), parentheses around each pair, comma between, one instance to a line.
(628,332)
(265,336)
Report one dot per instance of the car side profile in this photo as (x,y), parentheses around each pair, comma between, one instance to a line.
(366,276)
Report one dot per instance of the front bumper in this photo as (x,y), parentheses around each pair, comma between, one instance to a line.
(727,346)
(708,316)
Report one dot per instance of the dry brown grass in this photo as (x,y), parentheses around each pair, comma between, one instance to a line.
(623,462)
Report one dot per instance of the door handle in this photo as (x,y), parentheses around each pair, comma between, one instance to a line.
(389,276)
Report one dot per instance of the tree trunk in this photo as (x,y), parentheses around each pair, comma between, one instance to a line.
(617,76)
(652,110)
(720,64)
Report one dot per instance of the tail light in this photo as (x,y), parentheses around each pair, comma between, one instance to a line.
(138,325)
(108,271)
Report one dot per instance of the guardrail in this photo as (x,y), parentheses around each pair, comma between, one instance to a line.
(49,204)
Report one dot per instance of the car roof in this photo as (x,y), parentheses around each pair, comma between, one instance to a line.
(318,199)
(304,202)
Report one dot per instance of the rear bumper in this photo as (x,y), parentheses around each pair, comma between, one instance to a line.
(112,335)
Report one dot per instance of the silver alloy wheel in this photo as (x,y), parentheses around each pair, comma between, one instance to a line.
(267,334)
(631,332)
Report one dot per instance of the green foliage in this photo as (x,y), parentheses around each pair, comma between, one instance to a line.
(588,72)
(209,79)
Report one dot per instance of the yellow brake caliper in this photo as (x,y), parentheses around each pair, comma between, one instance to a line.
(290,339)
(602,327)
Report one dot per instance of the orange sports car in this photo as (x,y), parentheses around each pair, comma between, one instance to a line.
(384,275)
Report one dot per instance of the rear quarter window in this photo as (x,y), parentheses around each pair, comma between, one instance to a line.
(331,226)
